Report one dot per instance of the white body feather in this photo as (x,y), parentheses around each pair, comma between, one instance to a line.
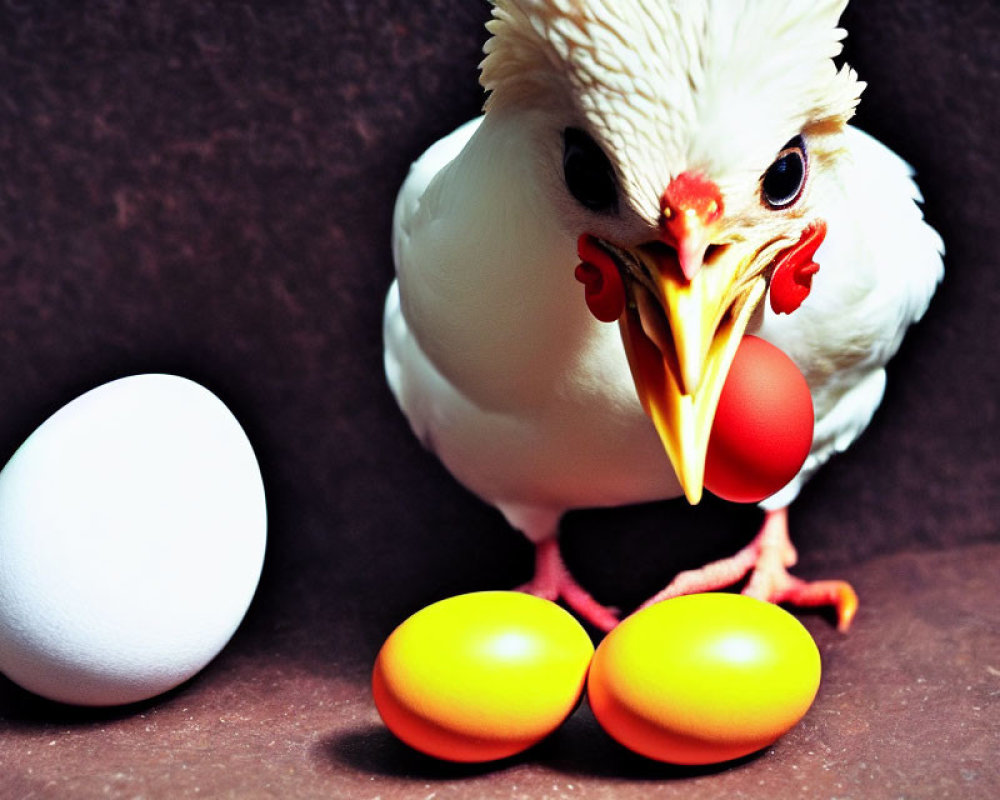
(491,351)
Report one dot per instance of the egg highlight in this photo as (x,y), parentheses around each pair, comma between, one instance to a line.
(132,536)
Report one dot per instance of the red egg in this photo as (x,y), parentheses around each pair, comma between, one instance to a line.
(763,427)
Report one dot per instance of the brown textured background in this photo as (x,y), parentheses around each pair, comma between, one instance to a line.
(206,188)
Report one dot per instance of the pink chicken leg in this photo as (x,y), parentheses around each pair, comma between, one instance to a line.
(552,581)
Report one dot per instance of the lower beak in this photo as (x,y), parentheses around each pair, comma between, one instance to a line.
(681,336)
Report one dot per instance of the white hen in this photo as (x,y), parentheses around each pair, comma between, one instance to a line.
(696,144)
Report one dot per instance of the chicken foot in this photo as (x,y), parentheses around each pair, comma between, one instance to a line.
(767,559)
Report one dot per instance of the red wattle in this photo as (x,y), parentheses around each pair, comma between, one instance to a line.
(604,290)
(794,269)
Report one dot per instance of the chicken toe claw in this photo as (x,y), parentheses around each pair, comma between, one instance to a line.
(839,594)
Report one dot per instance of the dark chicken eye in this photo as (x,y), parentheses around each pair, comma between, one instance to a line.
(589,175)
(782,184)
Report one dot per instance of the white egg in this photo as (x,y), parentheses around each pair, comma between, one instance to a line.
(132,535)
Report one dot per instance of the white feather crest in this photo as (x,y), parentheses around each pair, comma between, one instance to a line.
(662,80)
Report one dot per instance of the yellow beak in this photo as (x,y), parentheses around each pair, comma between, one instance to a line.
(681,336)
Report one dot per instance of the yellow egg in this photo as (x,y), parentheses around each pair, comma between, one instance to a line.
(703,678)
(481,676)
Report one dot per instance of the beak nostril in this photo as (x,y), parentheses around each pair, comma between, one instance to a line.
(664,255)
(712,252)
(659,249)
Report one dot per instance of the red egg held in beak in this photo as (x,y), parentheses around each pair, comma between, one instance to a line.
(763,427)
